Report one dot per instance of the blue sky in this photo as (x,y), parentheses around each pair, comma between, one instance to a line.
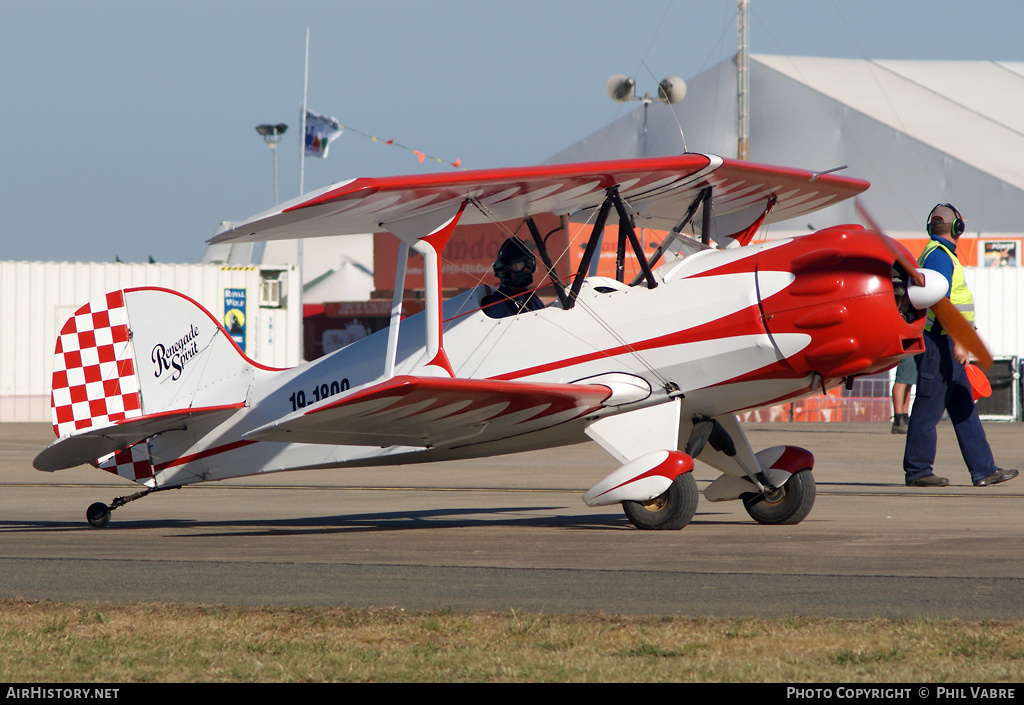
(129,125)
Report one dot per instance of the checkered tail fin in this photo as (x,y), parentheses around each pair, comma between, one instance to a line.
(135,363)
(94,379)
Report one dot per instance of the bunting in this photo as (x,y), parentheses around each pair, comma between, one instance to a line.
(421,156)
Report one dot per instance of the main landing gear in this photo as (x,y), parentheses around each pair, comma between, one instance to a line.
(789,504)
(775,484)
(98,513)
(671,510)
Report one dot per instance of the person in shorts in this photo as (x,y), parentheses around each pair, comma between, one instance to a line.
(906,378)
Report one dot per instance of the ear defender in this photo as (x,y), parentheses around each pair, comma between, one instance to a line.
(959,225)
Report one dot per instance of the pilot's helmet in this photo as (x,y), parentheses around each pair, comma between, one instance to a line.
(515,264)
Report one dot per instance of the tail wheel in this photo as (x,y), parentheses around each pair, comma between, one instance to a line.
(789,504)
(98,514)
(672,510)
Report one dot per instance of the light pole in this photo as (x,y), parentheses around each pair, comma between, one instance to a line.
(272,135)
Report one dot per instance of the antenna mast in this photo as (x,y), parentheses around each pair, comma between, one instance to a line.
(742,79)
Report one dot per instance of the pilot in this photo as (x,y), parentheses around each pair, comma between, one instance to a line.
(514,268)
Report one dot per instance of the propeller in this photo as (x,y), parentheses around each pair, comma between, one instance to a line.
(945,312)
(962,332)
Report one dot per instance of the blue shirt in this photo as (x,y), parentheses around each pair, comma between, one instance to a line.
(940,262)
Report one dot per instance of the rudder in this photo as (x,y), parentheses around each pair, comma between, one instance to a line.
(94,381)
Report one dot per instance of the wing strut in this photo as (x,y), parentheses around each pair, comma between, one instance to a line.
(398,293)
(588,253)
(545,256)
(429,246)
(705,223)
(626,232)
(703,197)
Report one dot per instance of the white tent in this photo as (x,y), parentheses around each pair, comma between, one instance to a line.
(922,132)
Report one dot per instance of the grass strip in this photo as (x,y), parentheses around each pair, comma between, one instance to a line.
(50,642)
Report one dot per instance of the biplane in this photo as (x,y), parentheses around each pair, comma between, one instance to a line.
(653,367)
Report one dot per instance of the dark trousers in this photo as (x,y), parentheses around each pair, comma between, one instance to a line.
(942,385)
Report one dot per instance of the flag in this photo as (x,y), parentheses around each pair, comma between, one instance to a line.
(321,130)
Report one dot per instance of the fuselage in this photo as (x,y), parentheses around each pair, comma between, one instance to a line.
(724,330)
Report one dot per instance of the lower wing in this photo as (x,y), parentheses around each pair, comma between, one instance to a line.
(436,412)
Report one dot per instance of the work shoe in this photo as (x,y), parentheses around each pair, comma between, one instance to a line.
(930,480)
(995,478)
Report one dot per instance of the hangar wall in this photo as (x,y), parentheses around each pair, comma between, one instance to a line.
(37,297)
(998,291)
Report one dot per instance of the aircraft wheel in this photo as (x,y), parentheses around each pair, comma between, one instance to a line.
(790,504)
(98,514)
(672,510)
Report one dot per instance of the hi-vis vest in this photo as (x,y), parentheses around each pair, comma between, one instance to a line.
(960,296)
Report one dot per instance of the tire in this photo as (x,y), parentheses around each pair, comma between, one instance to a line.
(98,514)
(670,511)
(790,505)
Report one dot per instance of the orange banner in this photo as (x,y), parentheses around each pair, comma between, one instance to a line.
(468,258)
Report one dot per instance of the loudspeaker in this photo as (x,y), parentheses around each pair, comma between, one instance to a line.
(1004,403)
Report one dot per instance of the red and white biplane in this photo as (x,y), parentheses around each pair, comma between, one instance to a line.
(148,385)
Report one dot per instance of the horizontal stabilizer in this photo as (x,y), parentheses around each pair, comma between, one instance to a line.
(435,411)
(98,441)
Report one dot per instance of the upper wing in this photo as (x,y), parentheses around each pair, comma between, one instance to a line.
(435,411)
(659,189)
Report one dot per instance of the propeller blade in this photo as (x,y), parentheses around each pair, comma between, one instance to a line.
(904,259)
(962,331)
(907,262)
(900,252)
